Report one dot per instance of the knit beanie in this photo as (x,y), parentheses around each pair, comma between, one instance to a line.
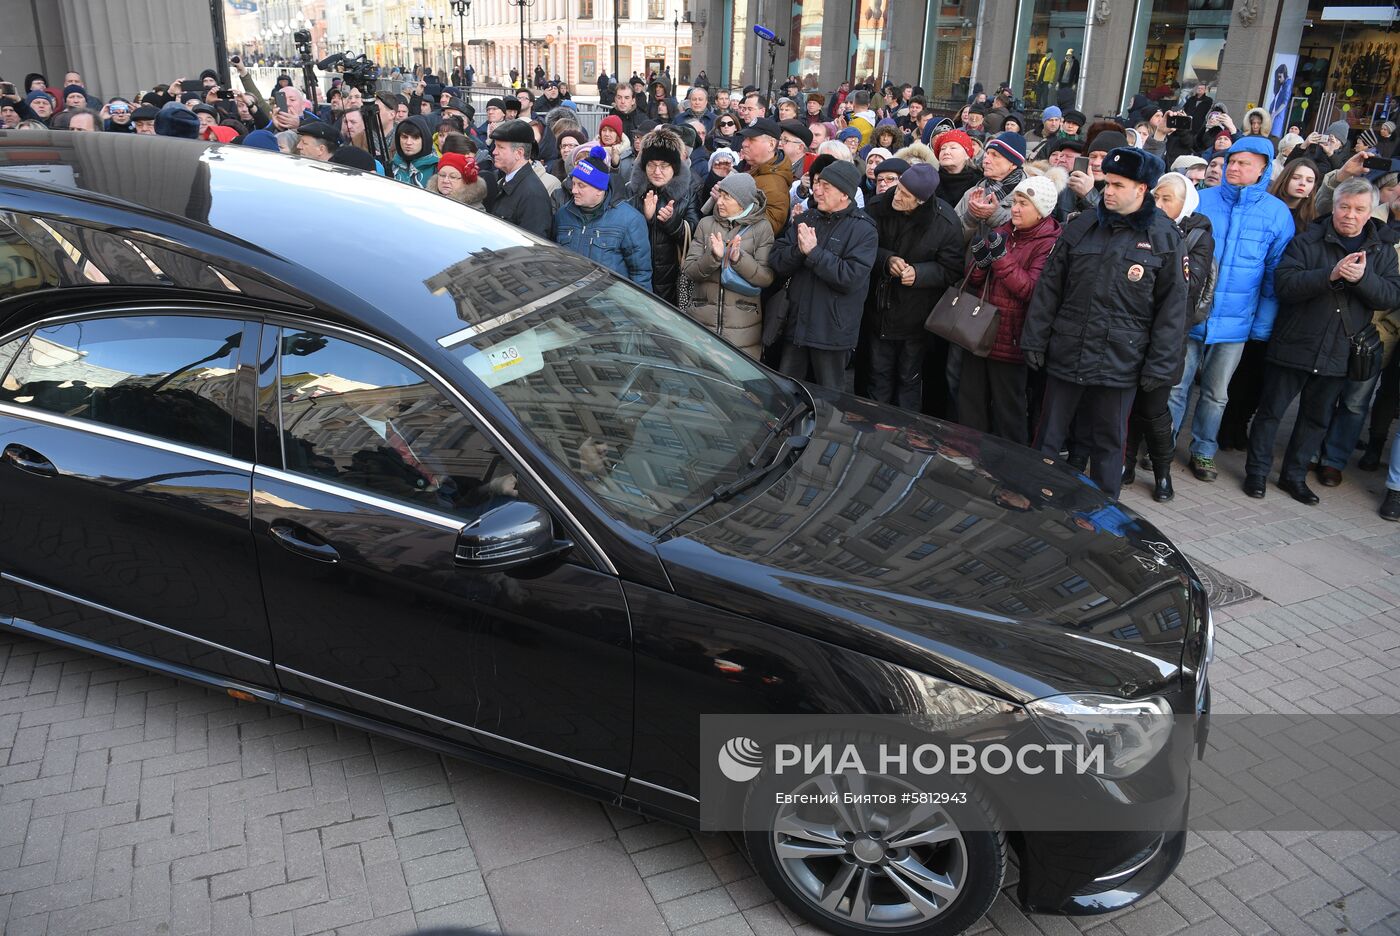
(1011,145)
(958,137)
(739,186)
(1041,192)
(723,154)
(1051,111)
(843,176)
(921,180)
(593,169)
(612,122)
(463,163)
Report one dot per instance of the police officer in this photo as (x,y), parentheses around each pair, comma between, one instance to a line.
(1108,315)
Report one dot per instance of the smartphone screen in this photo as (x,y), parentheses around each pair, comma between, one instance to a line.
(1378,162)
(1081,164)
(280,97)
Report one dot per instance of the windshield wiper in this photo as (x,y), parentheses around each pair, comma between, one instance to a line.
(756,473)
(798,407)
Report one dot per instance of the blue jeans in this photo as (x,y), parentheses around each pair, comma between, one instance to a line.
(1216,365)
(1392,480)
(1347,421)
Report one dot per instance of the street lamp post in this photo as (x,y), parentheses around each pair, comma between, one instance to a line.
(676,43)
(460,7)
(523,4)
(423,18)
(442,43)
(617,32)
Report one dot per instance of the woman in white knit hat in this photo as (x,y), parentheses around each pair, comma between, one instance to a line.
(1007,263)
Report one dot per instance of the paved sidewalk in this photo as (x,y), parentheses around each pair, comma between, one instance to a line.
(130,803)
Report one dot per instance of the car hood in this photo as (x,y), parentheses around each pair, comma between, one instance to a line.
(939,547)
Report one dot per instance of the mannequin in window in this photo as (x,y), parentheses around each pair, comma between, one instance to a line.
(1069,79)
(1045,77)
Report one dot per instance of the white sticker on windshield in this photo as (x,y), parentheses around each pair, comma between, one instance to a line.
(515,357)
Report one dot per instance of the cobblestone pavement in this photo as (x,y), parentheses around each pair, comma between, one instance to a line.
(130,803)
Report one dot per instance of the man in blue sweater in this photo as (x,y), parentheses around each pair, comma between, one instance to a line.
(1251,230)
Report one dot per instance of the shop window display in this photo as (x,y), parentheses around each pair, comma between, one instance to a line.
(1054,45)
(1345,70)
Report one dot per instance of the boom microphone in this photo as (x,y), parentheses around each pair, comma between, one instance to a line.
(767,35)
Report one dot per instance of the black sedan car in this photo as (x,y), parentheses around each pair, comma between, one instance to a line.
(323,440)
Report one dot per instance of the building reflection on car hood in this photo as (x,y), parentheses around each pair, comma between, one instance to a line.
(948,545)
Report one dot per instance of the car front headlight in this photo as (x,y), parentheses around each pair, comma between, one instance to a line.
(1131,732)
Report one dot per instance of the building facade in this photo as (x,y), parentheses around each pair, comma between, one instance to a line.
(1307,61)
(576,39)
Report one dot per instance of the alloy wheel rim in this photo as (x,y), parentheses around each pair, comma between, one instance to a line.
(879,867)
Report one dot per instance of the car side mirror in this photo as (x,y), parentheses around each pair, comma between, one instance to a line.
(507,536)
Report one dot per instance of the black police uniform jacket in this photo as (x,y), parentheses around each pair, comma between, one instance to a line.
(524,202)
(1110,307)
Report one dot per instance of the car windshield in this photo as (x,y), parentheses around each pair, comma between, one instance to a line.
(651,411)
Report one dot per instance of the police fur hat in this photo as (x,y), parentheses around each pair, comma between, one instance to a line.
(1135,164)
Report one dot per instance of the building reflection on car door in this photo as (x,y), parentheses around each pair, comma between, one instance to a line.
(125,469)
(358,502)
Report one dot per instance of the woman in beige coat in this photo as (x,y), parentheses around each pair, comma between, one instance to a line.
(734,230)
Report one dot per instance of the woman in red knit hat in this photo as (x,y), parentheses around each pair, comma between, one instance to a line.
(459,179)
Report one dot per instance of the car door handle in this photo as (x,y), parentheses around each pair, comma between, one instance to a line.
(286,537)
(30,461)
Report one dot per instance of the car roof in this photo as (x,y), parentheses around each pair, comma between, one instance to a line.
(396,258)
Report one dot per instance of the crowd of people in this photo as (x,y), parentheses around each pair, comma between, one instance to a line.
(1130,261)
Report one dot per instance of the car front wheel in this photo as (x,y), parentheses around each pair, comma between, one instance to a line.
(918,869)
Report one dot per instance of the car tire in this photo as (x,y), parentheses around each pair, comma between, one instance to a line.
(976,858)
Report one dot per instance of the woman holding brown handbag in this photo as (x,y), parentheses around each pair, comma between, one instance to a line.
(992,389)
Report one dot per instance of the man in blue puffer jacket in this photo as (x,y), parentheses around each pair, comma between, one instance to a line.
(1251,229)
(604,230)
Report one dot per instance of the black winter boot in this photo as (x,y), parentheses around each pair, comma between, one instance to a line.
(1130,450)
(1161,447)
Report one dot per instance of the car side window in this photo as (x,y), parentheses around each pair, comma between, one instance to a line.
(172,377)
(360,418)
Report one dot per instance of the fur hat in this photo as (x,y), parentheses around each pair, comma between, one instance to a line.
(916,153)
(1076,117)
(662,143)
(1135,164)
(1041,192)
